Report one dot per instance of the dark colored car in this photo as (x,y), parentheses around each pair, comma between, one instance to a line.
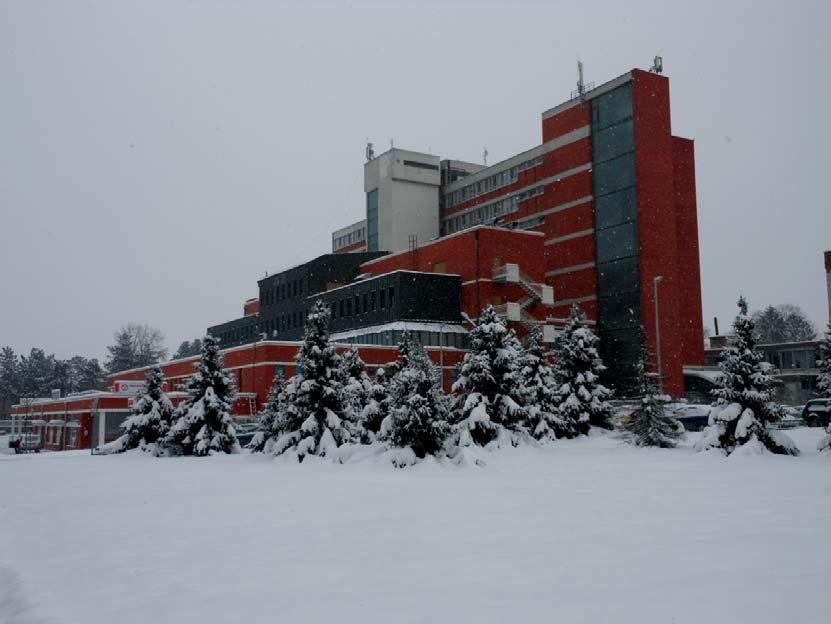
(817,412)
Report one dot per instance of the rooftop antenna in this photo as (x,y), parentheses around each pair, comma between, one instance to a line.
(370,153)
(485,156)
(581,86)
(657,65)
(392,145)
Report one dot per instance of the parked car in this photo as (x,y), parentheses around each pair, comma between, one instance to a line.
(693,417)
(817,412)
(25,443)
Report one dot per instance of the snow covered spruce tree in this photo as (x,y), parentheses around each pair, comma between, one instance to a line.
(491,406)
(376,408)
(744,398)
(584,401)
(417,419)
(651,424)
(314,421)
(824,382)
(355,382)
(268,423)
(150,419)
(540,392)
(204,425)
(824,377)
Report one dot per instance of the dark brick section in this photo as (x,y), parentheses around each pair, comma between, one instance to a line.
(396,296)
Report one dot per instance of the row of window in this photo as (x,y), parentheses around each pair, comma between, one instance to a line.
(284,322)
(490,211)
(426,338)
(236,334)
(490,184)
(363,303)
(280,292)
(357,236)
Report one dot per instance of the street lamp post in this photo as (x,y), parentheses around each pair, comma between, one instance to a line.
(658,279)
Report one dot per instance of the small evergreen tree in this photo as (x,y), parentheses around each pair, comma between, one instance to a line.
(204,424)
(150,419)
(824,377)
(541,401)
(584,401)
(376,408)
(651,425)
(315,419)
(405,348)
(417,419)
(744,397)
(824,382)
(490,378)
(268,422)
(355,383)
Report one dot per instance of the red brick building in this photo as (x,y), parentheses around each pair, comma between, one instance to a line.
(90,419)
(612,192)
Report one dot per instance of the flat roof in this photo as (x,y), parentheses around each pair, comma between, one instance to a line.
(614,83)
(455,234)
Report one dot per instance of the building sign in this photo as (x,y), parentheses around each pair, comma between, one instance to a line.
(132,387)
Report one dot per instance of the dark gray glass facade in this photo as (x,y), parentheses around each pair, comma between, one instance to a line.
(372,220)
(397,296)
(616,236)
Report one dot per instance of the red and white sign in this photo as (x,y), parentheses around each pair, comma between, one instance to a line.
(132,387)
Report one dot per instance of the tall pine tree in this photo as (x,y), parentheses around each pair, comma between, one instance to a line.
(583,400)
(315,420)
(150,420)
(204,424)
(417,419)
(540,392)
(490,379)
(651,425)
(744,397)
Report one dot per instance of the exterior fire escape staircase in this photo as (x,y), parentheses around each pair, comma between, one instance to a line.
(535,293)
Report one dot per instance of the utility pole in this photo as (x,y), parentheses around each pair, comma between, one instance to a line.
(658,279)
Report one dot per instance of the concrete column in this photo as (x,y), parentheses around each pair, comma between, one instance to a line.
(828,281)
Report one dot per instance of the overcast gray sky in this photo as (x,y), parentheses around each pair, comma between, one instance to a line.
(157,157)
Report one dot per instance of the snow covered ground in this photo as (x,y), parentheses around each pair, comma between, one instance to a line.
(588,530)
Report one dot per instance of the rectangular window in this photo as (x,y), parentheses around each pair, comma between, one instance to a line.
(383,298)
(620,311)
(613,141)
(615,208)
(617,242)
(610,108)
(614,175)
(372,300)
(392,296)
(349,307)
(357,305)
(372,220)
(341,308)
(364,305)
(420,165)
